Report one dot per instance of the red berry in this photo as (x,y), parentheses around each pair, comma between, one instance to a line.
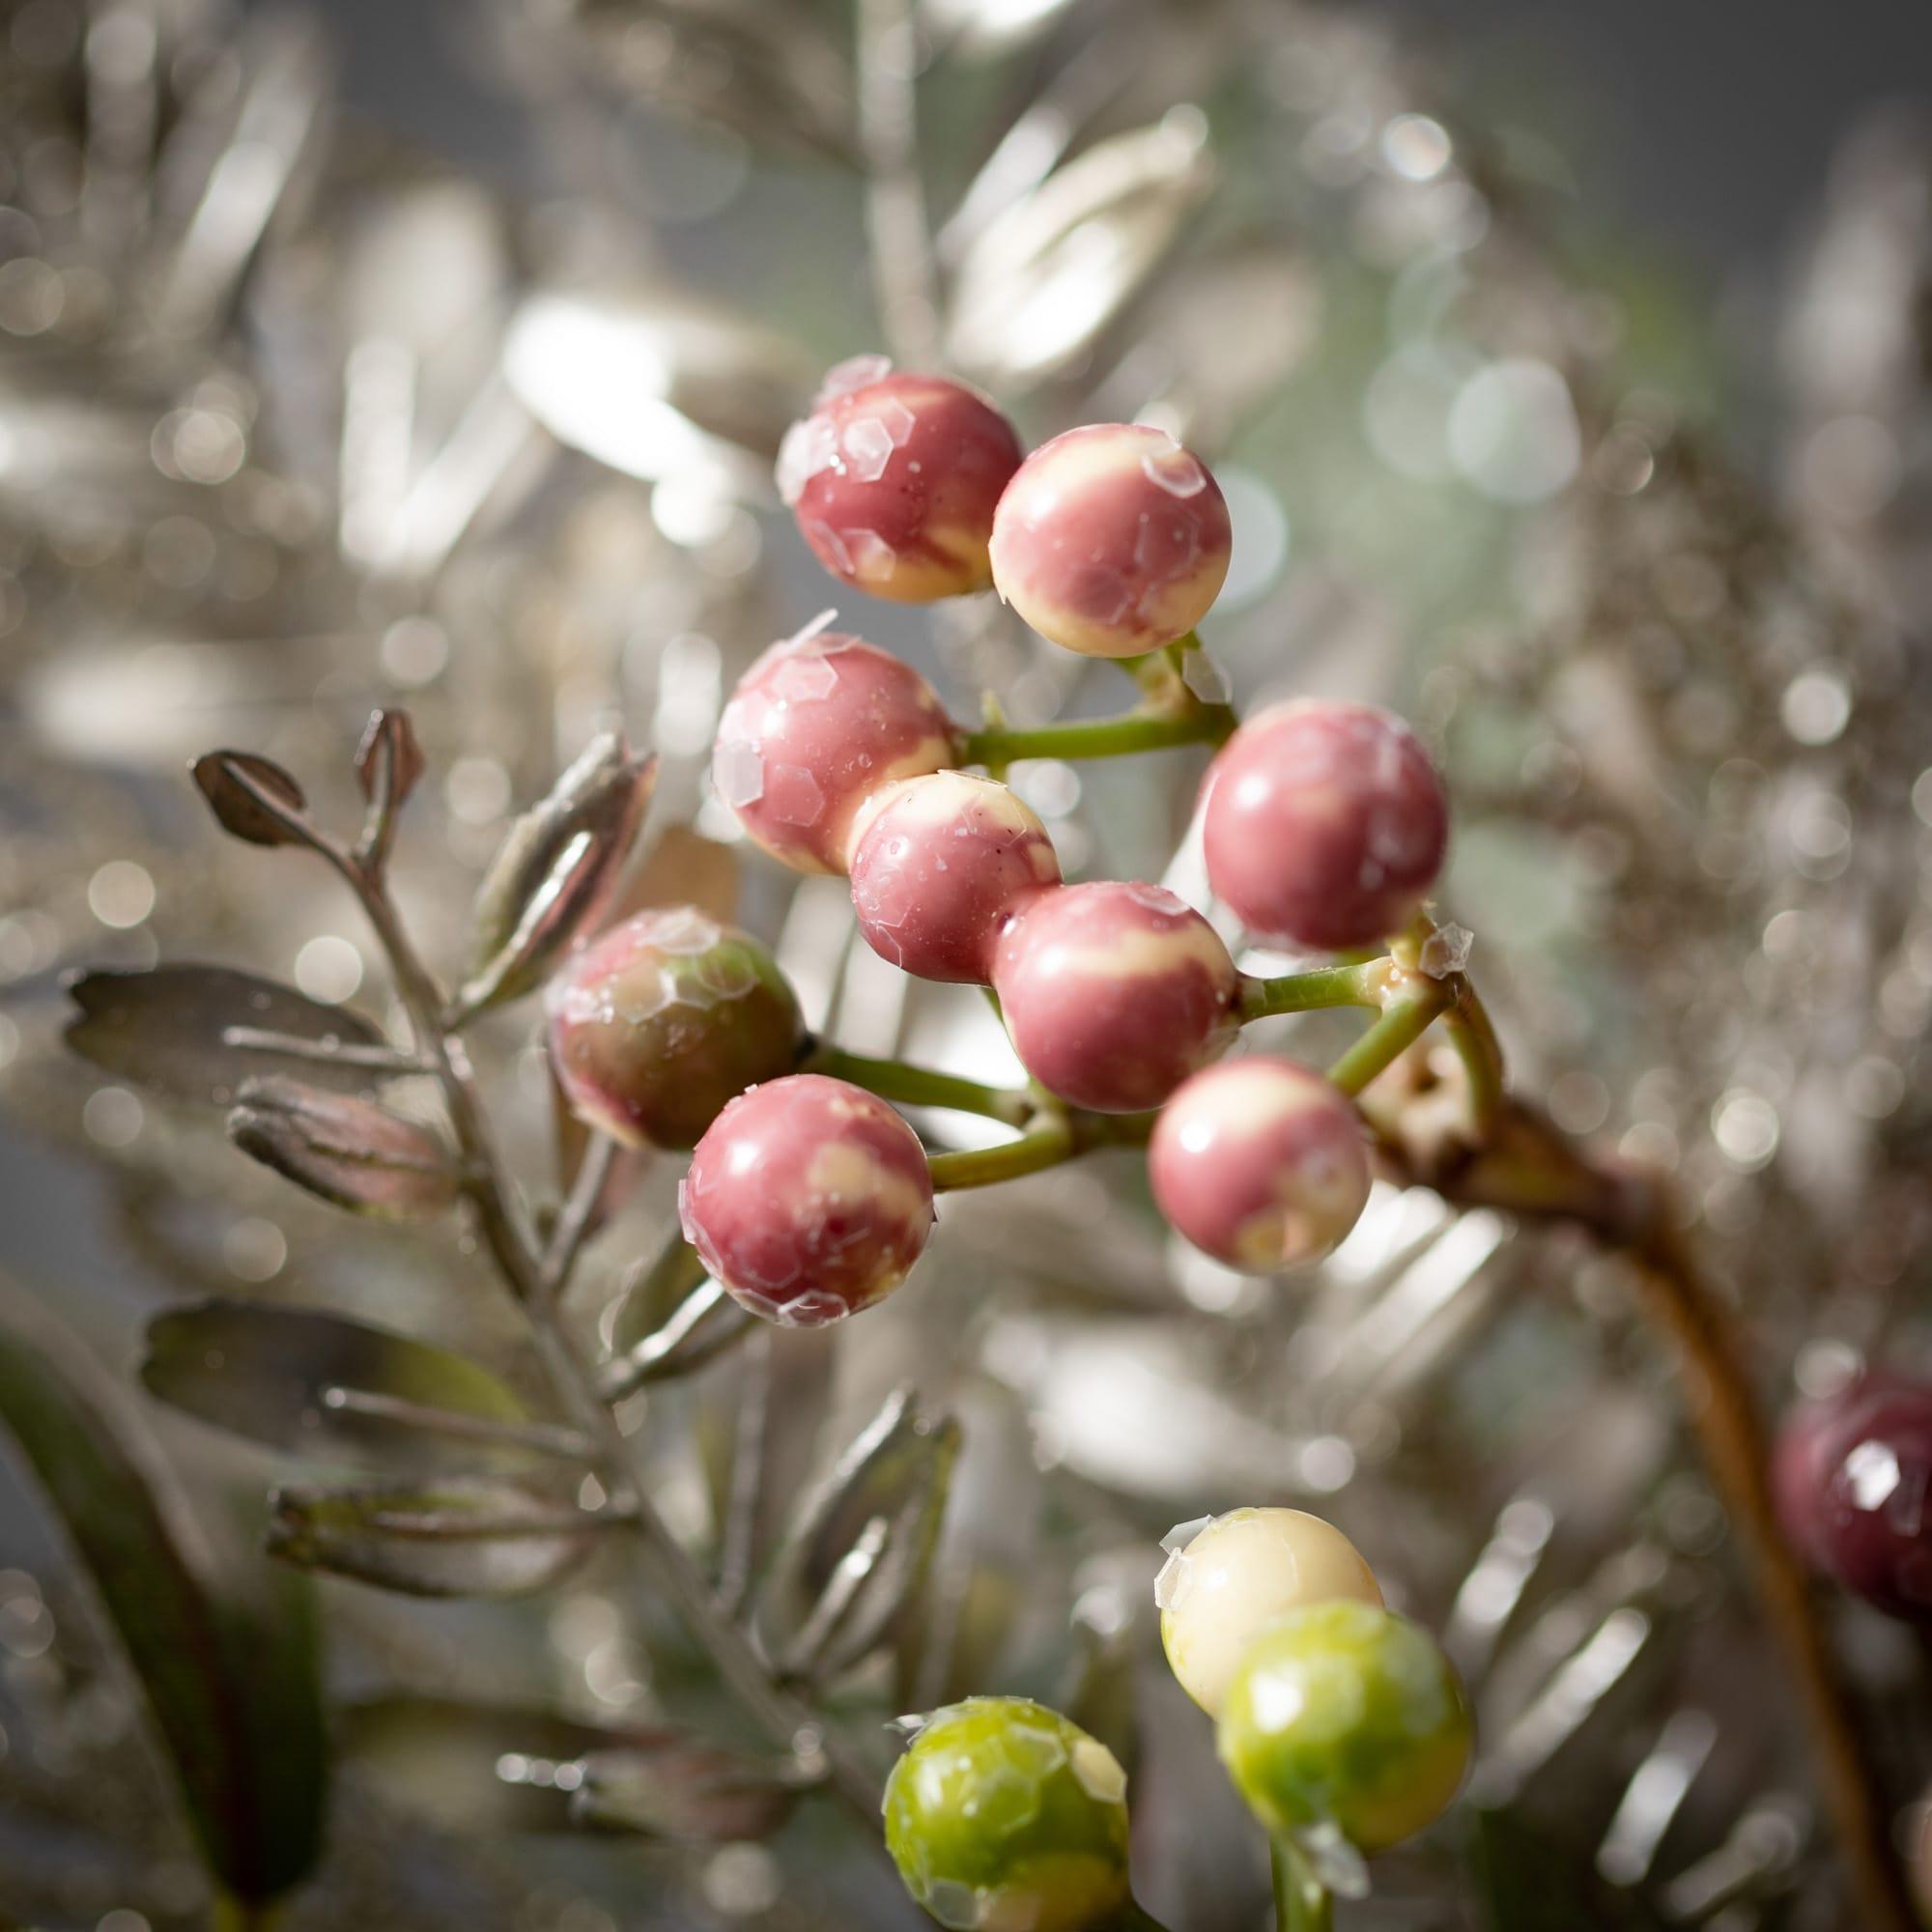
(808,1200)
(894,479)
(656,1024)
(1111,540)
(1854,1481)
(1260,1163)
(1325,824)
(939,864)
(815,727)
(1114,993)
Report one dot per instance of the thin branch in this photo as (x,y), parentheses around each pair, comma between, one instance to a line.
(331,1052)
(921,1086)
(580,1210)
(567,1445)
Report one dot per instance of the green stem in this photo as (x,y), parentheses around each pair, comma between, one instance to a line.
(1098,737)
(920,1086)
(1303,992)
(1404,1022)
(1046,1145)
(1303,1903)
(1470,1032)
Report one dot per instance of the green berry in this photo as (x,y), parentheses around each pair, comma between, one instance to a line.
(1002,1816)
(1344,1714)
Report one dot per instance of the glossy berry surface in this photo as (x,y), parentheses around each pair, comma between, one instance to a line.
(1345,1714)
(1226,1581)
(1260,1163)
(894,478)
(808,1199)
(1003,1814)
(1111,540)
(1114,993)
(818,725)
(939,864)
(1854,1482)
(657,1024)
(1325,824)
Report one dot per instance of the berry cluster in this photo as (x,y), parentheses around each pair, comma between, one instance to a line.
(1343,1726)
(1325,825)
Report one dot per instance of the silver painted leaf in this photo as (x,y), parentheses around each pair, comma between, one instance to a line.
(689,1792)
(336,1390)
(197,1033)
(460,1538)
(345,1150)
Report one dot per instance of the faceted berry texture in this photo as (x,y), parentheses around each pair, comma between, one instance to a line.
(808,1200)
(894,478)
(939,864)
(1003,1815)
(1854,1479)
(1260,1163)
(1114,993)
(1226,1581)
(1111,540)
(1325,824)
(1345,1714)
(817,726)
(660,1022)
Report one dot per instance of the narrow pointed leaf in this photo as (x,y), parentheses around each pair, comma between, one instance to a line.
(348,1150)
(389,761)
(232,1687)
(225,778)
(860,1556)
(483,1768)
(196,1032)
(334,1390)
(556,872)
(690,1792)
(454,1539)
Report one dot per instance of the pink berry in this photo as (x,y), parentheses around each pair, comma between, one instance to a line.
(894,479)
(1325,824)
(808,1200)
(1111,540)
(1261,1164)
(1114,994)
(815,727)
(939,864)
(1854,1482)
(660,1022)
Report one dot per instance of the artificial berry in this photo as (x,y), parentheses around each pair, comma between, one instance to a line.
(1111,540)
(1114,993)
(808,1199)
(893,479)
(1854,1482)
(660,1022)
(1226,1581)
(1342,1714)
(1260,1163)
(1325,824)
(939,864)
(1003,1814)
(817,726)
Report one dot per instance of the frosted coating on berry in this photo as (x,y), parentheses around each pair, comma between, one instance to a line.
(855,372)
(956,1906)
(1184,1533)
(804,677)
(809,447)
(1174,470)
(795,795)
(868,447)
(1172,1582)
(1100,1771)
(1447,951)
(738,772)
(1333,1860)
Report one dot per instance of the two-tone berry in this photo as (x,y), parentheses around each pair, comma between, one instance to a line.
(808,1200)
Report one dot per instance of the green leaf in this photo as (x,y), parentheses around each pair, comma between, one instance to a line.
(338,1391)
(233,1687)
(196,1032)
(457,1539)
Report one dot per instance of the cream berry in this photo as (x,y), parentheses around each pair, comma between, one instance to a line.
(1111,540)
(893,479)
(940,863)
(817,726)
(808,1200)
(660,1022)
(1260,1163)
(1114,993)
(1325,824)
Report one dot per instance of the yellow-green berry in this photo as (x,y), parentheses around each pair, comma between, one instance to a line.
(1004,1816)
